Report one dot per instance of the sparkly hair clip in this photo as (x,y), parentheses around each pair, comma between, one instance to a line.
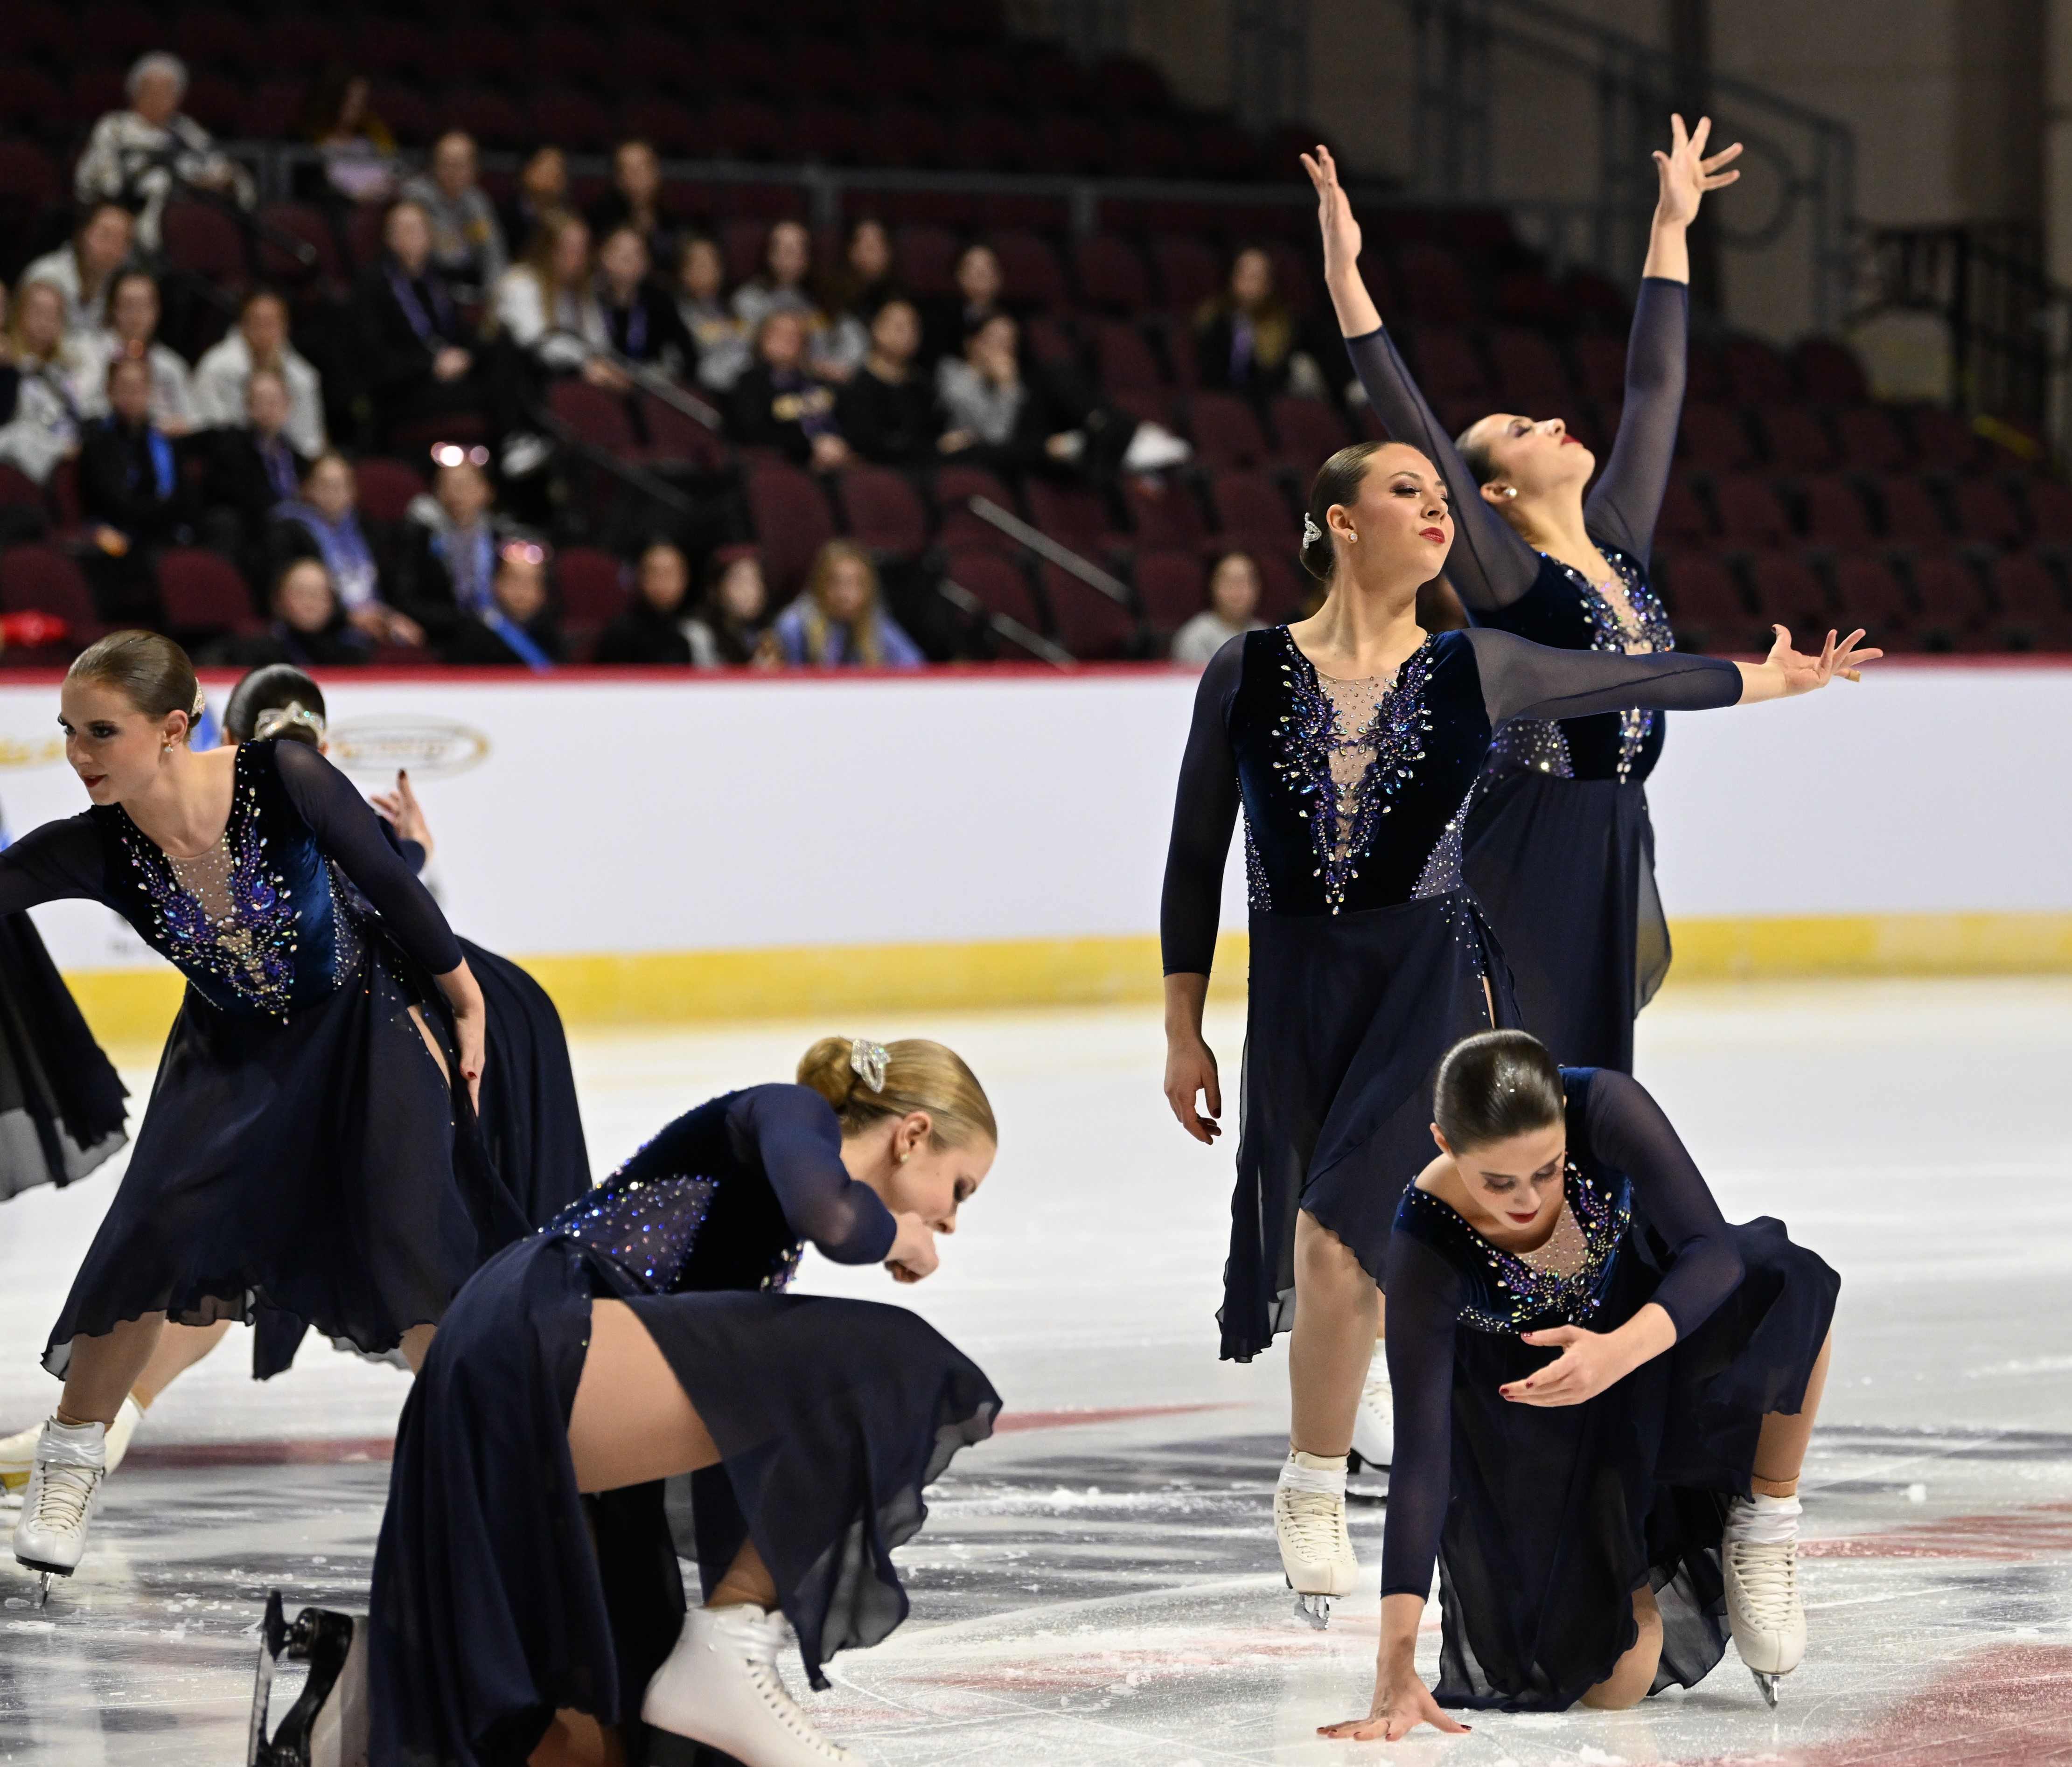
(199,706)
(276,718)
(868,1059)
(1311,532)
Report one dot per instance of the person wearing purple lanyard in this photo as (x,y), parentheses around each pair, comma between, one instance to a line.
(420,358)
(517,629)
(449,553)
(641,321)
(247,472)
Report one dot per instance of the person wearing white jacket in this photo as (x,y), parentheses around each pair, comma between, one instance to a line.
(260,339)
(133,330)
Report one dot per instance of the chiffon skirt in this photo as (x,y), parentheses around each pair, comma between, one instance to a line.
(1565,871)
(492,1608)
(323,1168)
(61,1110)
(1557,1514)
(1348,1018)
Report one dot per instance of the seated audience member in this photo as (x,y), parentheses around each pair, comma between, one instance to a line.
(134,156)
(886,412)
(260,340)
(852,293)
(133,330)
(634,200)
(324,522)
(305,626)
(640,321)
(779,404)
(545,305)
(248,472)
(468,248)
(84,269)
(417,355)
(448,552)
(996,416)
(542,190)
(129,476)
(782,286)
(1245,338)
(732,629)
(652,630)
(42,427)
(359,162)
(838,622)
(725,351)
(949,322)
(517,629)
(1233,608)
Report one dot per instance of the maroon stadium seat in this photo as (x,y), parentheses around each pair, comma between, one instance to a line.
(959,528)
(1986,512)
(1869,595)
(1449,368)
(302,43)
(1911,514)
(1796,439)
(832,134)
(2026,589)
(1601,361)
(599,417)
(1683,520)
(676,130)
(1165,514)
(571,119)
(489,54)
(1757,373)
(885,511)
(741,63)
(1073,515)
(398,49)
(926,258)
(1750,514)
(984,141)
(205,242)
(202,594)
(744,129)
(310,225)
(1189,273)
(1712,439)
(1308,430)
(29,186)
(789,513)
(1251,513)
(2050,510)
(31,102)
(29,27)
(1170,587)
(386,487)
(1434,285)
(1150,147)
(1949,595)
(1090,624)
(1530,375)
(270,109)
(1111,274)
(1871,440)
(490,117)
(44,580)
(217,37)
(1943,440)
(1788,592)
(1831,373)
(93,92)
(1702,598)
(912,72)
(564,53)
(907,135)
(1124,361)
(592,587)
(1226,431)
(1000,584)
(1029,268)
(674,440)
(1835,514)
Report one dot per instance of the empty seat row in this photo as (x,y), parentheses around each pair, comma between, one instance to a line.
(1828,509)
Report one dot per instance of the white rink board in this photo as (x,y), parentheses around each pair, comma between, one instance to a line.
(635,812)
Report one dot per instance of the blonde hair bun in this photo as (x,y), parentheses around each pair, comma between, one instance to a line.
(825,1067)
(919,1075)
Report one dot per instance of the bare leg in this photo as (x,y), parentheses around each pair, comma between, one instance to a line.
(1780,1450)
(105,1369)
(631,1421)
(180,1347)
(416,1344)
(1634,1674)
(1337,1314)
(575,1739)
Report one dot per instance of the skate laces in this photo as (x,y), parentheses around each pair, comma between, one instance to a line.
(1314,1524)
(760,1641)
(68,1491)
(1768,1577)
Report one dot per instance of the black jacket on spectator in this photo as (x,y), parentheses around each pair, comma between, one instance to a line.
(425,583)
(641,635)
(473,644)
(337,645)
(651,329)
(131,480)
(947,322)
(893,422)
(403,324)
(768,410)
(1261,373)
(240,475)
(610,213)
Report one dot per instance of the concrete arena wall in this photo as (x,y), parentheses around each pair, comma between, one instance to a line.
(675,846)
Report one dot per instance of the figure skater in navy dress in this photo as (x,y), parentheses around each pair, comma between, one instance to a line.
(1604,1395)
(311,1144)
(527,1603)
(1353,741)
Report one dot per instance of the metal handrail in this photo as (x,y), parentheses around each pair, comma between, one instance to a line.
(1041,544)
(627,471)
(1005,625)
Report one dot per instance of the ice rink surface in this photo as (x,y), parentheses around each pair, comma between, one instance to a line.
(1098,1584)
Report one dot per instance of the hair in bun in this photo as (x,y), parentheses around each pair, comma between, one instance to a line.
(915,1073)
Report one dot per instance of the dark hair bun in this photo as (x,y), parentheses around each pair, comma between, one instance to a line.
(1494,1085)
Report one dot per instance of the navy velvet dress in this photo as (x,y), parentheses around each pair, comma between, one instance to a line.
(1369,957)
(302,1153)
(1559,849)
(61,1108)
(492,1607)
(1544,1519)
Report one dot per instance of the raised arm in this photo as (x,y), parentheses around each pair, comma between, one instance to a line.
(800,1140)
(1489,565)
(50,862)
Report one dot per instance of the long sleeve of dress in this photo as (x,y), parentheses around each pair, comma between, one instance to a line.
(1424,1305)
(1523,680)
(1628,1132)
(1627,497)
(57,860)
(1489,566)
(1203,815)
(800,1144)
(347,827)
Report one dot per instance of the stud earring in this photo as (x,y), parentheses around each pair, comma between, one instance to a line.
(1511,491)
(1350,535)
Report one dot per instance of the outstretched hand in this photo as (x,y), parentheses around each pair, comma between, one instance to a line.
(1401,1703)
(1685,174)
(1334,211)
(404,813)
(1589,1362)
(1796,673)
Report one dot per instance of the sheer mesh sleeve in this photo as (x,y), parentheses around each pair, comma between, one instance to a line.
(1627,1130)
(411,852)
(1627,497)
(1489,566)
(800,1140)
(1424,1303)
(346,829)
(57,860)
(1523,680)
(1202,818)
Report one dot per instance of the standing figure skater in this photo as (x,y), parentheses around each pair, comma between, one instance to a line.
(1594,1516)
(1559,849)
(311,1144)
(526,1589)
(1353,739)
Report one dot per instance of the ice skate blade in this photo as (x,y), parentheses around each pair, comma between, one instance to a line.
(1315,1608)
(1768,1683)
(666,1748)
(43,1579)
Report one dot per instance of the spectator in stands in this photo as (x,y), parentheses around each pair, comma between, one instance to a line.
(838,622)
(42,427)
(249,471)
(417,355)
(545,307)
(260,340)
(634,200)
(305,627)
(133,330)
(780,403)
(725,351)
(542,190)
(139,156)
(129,481)
(640,321)
(652,630)
(1233,608)
(852,293)
(732,629)
(950,322)
(468,247)
(887,411)
(324,522)
(360,165)
(995,417)
(1246,340)
(781,286)
(85,270)
(517,629)
(448,557)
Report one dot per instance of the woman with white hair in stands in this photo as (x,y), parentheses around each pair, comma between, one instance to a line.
(139,156)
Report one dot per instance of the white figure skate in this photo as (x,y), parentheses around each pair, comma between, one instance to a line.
(720,1687)
(71,1460)
(1309,1525)
(1373,1423)
(18,1453)
(1764,1608)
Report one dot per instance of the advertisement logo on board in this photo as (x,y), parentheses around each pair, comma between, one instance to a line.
(32,751)
(428,748)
